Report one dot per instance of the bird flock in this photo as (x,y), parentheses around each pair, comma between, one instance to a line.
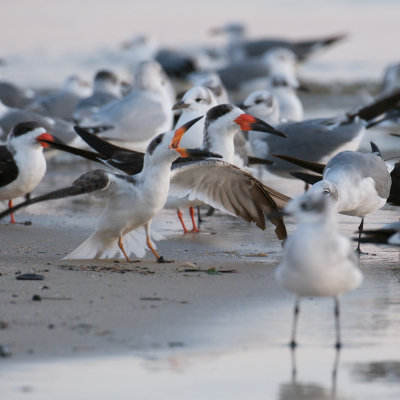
(205,127)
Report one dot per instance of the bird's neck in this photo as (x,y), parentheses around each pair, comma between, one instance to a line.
(221,142)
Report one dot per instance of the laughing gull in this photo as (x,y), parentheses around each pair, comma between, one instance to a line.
(290,106)
(14,96)
(241,78)
(319,139)
(195,103)
(22,163)
(106,88)
(62,103)
(358,183)
(239,47)
(317,261)
(137,118)
(212,81)
(9,117)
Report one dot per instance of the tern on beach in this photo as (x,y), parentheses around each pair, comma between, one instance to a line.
(22,163)
(317,261)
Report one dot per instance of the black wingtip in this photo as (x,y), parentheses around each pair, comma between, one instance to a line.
(375,149)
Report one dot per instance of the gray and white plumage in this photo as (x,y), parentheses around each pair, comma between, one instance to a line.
(9,117)
(317,260)
(319,139)
(62,103)
(195,103)
(250,74)
(212,81)
(229,189)
(290,105)
(106,88)
(137,118)
(359,183)
(13,96)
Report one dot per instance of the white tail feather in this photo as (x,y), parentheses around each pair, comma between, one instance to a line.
(101,246)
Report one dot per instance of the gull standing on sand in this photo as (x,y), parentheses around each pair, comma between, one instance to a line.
(317,261)
(316,140)
(22,163)
(358,183)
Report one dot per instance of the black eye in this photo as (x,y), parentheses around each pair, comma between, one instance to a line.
(198,100)
(258,101)
(303,206)
(158,140)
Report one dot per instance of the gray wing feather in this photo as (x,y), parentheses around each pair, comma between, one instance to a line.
(229,189)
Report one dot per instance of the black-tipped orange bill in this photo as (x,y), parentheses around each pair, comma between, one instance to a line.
(198,153)
(44,138)
(249,123)
(176,140)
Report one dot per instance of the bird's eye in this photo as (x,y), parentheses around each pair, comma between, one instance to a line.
(198,100)
(258,101)
(158,140)
(303,206)
(326,191)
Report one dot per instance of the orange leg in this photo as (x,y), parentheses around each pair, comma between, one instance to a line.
(121,246)
(10,204)
(179,212)
(194,229)
(150,246)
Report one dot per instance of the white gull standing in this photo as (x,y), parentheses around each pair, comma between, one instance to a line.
(317,261)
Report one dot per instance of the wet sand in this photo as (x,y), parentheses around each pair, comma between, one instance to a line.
(216,306)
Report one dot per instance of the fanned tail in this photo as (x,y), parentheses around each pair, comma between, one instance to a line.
(98,245)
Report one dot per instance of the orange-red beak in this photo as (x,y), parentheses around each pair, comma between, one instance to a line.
(249,123)
(176,140)
(45,136)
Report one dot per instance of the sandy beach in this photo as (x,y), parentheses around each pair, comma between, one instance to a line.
(218,301)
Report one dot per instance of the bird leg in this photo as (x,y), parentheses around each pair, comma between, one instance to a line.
(179,212)
(121,246)
(10,205)
(360,231)
(194,229)
(210,211)
(199,219)
(338,344)
(160,259)
(293,343)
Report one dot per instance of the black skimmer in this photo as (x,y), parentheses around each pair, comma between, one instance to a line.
(23,164)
